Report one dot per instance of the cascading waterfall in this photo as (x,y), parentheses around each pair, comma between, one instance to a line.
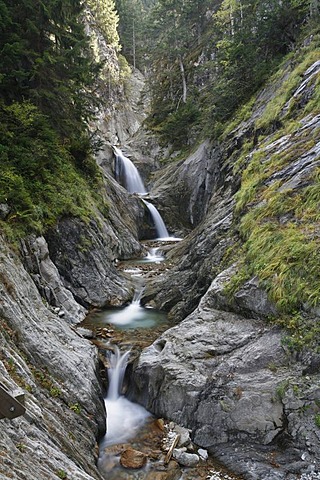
(131,313)
(118,365)
(127,173)
(159,224)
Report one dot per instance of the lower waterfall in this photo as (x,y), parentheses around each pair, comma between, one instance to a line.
(124,418)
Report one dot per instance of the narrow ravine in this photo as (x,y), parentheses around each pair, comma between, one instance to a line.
(137,445)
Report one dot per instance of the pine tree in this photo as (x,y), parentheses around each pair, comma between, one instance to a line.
(46,58)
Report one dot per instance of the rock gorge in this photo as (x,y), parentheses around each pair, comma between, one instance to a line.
(223,370)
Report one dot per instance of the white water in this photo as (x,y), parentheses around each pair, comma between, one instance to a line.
(154,255)
(126,169)
(161,229)
(128,172)
(124,418)
(129,314)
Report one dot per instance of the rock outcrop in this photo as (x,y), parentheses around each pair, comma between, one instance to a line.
(57,370)
(225,371)
(229,379)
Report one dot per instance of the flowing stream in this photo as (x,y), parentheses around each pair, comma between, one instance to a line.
(126,421)
(124,418)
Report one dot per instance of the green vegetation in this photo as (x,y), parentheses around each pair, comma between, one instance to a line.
(75,407)
(317,420)
(214,56)
(48,75)
(277,222)
(62,474)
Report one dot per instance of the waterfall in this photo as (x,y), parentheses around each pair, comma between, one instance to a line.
(126,172)
(131,313)
(154,255)
(124,418)
(118,365)
(161,229)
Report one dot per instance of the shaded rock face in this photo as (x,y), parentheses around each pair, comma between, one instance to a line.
(182,191)
(57,370)
(82,256)
(85,254)
(47,278)
(228,379)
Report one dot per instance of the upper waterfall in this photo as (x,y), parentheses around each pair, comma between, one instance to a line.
(127,173)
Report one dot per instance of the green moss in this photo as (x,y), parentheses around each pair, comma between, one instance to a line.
(62,474)
(278,221)
(75,407)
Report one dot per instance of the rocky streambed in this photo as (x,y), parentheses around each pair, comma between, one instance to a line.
(158,449)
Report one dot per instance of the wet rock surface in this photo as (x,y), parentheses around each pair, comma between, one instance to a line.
(153,447)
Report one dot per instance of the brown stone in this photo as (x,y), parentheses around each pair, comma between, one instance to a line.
(160,423)
(131,458)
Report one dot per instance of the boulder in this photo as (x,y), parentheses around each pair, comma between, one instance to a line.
(131,458)
(185,459)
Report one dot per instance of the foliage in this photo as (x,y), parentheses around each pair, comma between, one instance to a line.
(178,122)
(75,407)
(46,58)
(226,49)
(107,19)
(47,80)
(62,474)
(40,179)
(132,29)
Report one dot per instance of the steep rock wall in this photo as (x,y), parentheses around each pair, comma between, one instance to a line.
(57,371)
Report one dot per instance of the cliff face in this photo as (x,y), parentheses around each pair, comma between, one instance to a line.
(57,370)
(46,285)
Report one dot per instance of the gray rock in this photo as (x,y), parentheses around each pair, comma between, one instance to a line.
(184,433)
(58,372)
(185,459)
(228,379)
(249,299)
(203,454)
(48,280)
(4,210)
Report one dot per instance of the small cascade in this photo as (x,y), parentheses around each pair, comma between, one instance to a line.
(161,229)
(127,173)
(154,255)
(118,365)
(131,313)
(124,418)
